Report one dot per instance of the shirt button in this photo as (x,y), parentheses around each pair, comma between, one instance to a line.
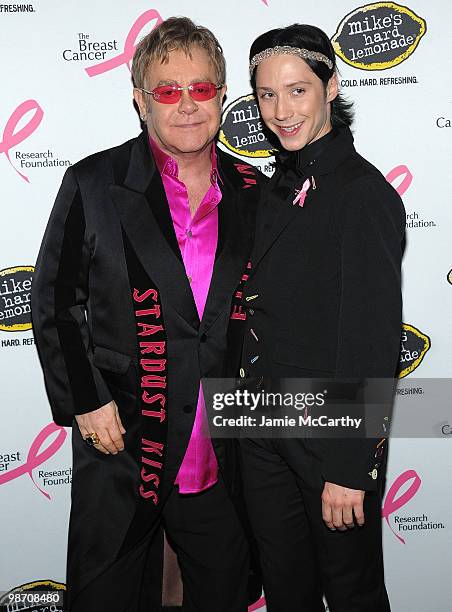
(187,409)
(203,338)
(189,279)
(189,233)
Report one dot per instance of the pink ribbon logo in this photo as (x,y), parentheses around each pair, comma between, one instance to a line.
(129,46)
(392,503)
(11,138)
(397,173)
(259,605)
(301,194)
(36,456)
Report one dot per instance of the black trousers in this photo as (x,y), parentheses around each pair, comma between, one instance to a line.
(213,555)
(212,550)
(301,558)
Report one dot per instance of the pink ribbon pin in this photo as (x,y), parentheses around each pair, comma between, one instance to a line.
(302,193)
(11,138)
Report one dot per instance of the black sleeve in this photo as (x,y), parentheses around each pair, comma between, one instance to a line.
(59,310)
(371,224)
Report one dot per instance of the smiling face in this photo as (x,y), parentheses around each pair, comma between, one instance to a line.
(293,101)
(187,127)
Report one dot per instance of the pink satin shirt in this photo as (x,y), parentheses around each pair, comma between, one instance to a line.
(197,237)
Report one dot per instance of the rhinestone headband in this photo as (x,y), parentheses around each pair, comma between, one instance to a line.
(303,53)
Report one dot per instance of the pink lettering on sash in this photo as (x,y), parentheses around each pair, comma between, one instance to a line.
(152,347)
(259,605)
(149,293)
(129,45)
(11,138)
(237,310)
(150,477)
(154,311)
(153,380)
(153,365)
(149,330)
(246,169)
(150,481)
(157,397)
(158,414)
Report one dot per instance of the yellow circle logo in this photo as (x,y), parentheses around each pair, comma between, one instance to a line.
(413,348)
(378,36)
(15,298)
(242,129)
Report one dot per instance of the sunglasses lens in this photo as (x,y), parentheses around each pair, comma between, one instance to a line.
(170,94)
(167,94)
(203,91)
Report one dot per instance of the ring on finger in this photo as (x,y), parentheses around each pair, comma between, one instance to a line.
(92,439)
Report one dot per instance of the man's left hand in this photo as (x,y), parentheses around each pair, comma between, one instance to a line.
(342,507)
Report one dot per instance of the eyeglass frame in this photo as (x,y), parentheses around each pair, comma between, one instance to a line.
(179,88)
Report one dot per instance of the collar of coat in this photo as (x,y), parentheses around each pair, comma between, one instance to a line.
(320,157)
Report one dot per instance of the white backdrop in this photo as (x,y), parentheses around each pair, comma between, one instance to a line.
(58,105)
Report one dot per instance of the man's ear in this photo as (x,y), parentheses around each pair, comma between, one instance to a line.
(332,88)
(223,91)
(140,100)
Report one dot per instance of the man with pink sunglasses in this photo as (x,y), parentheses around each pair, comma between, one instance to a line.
(144,248)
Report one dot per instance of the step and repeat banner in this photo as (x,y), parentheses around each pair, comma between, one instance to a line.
(66,93)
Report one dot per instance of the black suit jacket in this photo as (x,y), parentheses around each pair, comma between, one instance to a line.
(328,284)
(86,333)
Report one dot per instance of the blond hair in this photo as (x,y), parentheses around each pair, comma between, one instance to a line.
(176,33)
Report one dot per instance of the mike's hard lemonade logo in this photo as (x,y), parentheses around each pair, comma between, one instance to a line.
(242,131)
(413,347)
(15,297)
(378,36)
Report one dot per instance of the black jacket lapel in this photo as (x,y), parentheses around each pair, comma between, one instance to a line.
(277,212)
(150,233)
(235,233)
(319,158)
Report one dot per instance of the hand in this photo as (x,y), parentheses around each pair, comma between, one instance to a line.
(339,504)
(106,422)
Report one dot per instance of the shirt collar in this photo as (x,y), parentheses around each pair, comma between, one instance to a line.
(168,166)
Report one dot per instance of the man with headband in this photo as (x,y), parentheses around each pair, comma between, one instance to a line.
(131,302)
(323,300)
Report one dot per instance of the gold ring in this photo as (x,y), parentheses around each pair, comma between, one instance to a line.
(92,439)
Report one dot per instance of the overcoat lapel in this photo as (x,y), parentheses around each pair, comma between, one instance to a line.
(231,251)
(139,205)
(282,199)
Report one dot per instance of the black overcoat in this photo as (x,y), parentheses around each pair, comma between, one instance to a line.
(109,240)
(323,297)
